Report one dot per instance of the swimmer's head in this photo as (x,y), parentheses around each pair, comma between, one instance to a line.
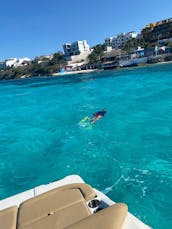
(104,111)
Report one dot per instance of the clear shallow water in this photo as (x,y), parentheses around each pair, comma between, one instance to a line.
(127,154)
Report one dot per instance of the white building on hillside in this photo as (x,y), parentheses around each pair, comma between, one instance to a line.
(10,62)
(14,62)
(119,40)
(23,61)
(43,58)
(76,48)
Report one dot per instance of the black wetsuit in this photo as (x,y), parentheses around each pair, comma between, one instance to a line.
(99,113)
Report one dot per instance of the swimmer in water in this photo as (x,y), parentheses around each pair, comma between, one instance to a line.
(98,115)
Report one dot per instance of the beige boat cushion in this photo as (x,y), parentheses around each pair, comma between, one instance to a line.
(86,190)
(57,208)
(111,218)
(8,218)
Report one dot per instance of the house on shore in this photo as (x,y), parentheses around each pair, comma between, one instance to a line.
(76,48)
(120,58)
(76,54)
(111,58)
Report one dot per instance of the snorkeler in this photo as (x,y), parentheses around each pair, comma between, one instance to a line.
(87,122)
(98,115)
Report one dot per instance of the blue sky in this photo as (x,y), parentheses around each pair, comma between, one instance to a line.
(35,27)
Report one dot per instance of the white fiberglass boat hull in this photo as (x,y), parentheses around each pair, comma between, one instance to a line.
(131,222)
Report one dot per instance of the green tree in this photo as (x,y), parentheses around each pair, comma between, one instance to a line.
(169,44)
(58,59)
(96,54)
(46,67)
(133,44)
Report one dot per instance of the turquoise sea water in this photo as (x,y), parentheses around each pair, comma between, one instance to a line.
(127,154)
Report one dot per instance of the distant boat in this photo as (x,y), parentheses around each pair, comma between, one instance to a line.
(133,62)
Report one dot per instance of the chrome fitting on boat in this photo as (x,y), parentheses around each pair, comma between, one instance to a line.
(94,204)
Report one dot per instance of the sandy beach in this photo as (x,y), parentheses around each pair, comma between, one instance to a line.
(98,70)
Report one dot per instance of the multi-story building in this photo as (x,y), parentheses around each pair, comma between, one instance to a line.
(157,30)
(108,41)
(76,48)
(120,40)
